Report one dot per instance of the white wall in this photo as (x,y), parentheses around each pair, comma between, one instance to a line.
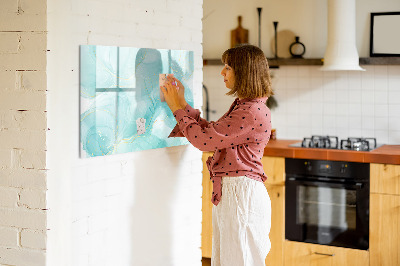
(306,19)
(311,102)
(141,208)
(23,133)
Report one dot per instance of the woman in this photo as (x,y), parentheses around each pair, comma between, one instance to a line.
(242,212)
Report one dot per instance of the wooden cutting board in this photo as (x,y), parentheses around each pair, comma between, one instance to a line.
(239,35)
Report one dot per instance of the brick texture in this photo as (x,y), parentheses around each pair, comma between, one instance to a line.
(23,126)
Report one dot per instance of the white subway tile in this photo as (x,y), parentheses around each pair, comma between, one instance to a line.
(329,109)
(367,133)
(316,72)
(329,94)
(342,122)
(394,110)
(329,123)
(292,83)
(304,72)
(381,97)
(368,123)
(355,96)
(354,80)
(355,122)
(382,110)
(355,109)
(394,123)
(303,82)
(394,83)
(368,110)
(355,132)
(382,136)
(394,97)
(367,96)
(394,137)
(394,71)
(381,123)
(380,84)
(291,71)
(342,109)
(380,71)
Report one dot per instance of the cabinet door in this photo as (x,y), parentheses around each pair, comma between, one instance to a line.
(274,168)
(385,178)
(304,254)
(384,230)
(206,226)
(277,233)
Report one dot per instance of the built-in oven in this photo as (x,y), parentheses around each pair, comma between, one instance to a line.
(327,202)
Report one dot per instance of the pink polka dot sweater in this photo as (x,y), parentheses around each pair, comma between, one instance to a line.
(238,139)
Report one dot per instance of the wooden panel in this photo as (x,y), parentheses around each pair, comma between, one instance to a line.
(277,233)
(304,254)
(274,168)
(385,178)
(384,230)
(206,232)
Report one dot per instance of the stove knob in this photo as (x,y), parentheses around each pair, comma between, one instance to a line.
(343,168)
(308,166)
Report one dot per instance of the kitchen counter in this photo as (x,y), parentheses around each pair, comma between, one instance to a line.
(389,154)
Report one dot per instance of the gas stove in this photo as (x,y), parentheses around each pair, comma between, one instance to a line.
(332,142)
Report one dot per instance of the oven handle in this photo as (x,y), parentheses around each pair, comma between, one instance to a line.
(324,254)
(357,185)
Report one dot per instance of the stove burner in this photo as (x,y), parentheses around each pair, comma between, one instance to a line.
(328,142)
(332,142)
(358,144)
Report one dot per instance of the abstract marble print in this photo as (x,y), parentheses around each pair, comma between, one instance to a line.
(121,110)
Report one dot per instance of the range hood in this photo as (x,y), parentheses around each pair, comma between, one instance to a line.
(341,51)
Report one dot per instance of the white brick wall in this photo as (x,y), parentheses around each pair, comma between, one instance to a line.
(141,208)
(23,132)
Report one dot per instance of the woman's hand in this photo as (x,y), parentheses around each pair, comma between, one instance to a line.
(181,91)
(172,91)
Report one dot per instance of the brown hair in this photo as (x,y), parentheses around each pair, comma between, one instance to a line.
(250,66)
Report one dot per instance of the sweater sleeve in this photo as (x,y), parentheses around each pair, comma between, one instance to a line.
(231,130)
(193,113)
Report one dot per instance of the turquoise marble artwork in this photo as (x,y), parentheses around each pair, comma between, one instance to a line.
(121,109)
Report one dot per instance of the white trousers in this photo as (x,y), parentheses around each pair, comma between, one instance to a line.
(241,223)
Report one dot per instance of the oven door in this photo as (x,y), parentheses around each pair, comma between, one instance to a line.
(327,213)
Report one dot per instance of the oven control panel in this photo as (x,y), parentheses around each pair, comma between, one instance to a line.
(337,169)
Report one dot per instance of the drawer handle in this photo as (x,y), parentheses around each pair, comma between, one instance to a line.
(324,254)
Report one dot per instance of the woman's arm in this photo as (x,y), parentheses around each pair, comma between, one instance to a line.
(239,127)
(175,97)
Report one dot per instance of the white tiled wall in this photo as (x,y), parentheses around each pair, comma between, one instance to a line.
(312,102)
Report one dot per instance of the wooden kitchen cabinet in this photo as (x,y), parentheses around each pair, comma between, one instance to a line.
(206,225)
(305,254)
(277,233)
(385,178)
(274,168)
(385,215)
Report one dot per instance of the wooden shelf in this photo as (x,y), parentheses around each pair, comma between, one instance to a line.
(380,61)
(274,63)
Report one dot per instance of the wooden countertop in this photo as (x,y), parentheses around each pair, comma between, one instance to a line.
(389,154)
